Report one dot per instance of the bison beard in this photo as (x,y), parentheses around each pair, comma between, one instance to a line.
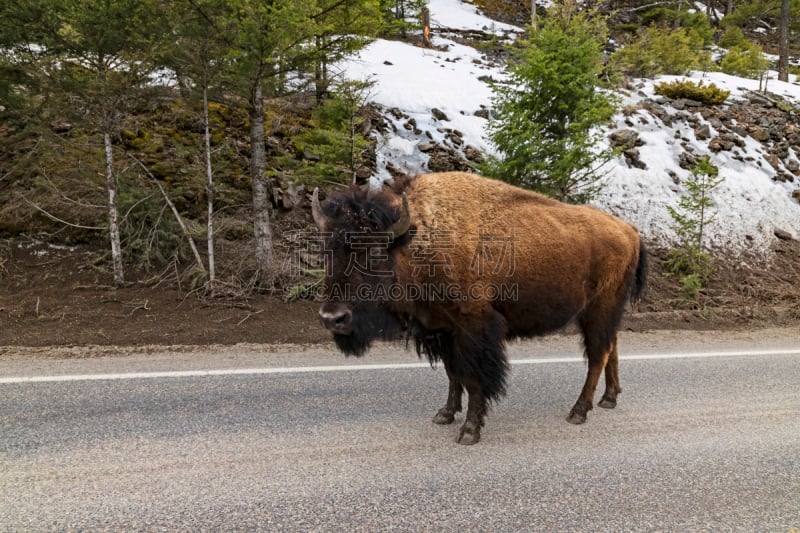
(369,324)
(572,264)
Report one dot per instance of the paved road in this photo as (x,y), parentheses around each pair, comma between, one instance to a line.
(696,443)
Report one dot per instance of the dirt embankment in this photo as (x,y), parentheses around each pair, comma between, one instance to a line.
(58,297)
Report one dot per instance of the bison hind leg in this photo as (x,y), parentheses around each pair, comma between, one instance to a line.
(599,325)
(609,400)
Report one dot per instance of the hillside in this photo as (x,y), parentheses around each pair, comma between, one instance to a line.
(427,111)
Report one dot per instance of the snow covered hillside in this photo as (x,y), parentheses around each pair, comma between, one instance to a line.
(438,92)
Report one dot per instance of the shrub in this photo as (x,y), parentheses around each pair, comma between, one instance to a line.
(732,37)
(745,60)
(662,51)
(691,90)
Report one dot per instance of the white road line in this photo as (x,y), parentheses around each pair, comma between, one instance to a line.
(348,368)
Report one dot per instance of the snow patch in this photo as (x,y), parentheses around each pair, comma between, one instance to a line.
(750,204)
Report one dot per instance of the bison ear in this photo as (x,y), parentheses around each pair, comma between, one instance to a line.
(316,211)
(400,227)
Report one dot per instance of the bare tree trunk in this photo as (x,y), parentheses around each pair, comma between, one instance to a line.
(353,145)
(533,13)
(113,216)
(783,54)
(677,22)
(426,27)
(729,7)
(261,228)
(319,82)
(209,192)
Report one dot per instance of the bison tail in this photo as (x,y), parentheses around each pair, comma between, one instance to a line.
(640,277)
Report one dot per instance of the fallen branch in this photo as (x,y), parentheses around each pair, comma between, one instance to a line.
(142,306)
(248,316)
(55,218)
(174,212)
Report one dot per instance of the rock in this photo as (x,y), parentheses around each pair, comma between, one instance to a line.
(674,175)
(702,132)
(444,159)
(389,63)
(292,195)
(760,133)
(482,112)
(757,99)
(632,159)
(396,113)
(625,139)
(739,130)
(773,160)
(426,147)
(658,111)
(687,161)
(473,154)
(781,149)
(60,126)
(796,194)
(438,114)
(455,137)
(783,235)
(718,144)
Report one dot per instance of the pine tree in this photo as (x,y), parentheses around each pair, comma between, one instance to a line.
(201,28)
(93,64)
(547,114)
(272,40)
(694,212)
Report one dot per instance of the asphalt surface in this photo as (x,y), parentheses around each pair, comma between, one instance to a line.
(296,440)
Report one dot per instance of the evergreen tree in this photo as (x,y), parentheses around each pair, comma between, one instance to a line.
(400,16)
(91,59)
(547,114)
(202,28)
(271,41)
(341,27)
(694,213)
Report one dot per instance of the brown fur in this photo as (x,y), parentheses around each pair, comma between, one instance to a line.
(570,263)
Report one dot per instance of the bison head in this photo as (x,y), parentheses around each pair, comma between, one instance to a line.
(361,233)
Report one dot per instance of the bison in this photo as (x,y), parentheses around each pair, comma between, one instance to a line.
(460,264)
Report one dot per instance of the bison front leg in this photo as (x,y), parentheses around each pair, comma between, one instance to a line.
(447,414)
(470,432)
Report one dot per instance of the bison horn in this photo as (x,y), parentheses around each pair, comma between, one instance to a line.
(316,211)
(400,227)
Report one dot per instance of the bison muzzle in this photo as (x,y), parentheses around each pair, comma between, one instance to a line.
(460,264)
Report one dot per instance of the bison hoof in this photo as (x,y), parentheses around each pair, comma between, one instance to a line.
(608,402)
(576,418)
(469,434)
(468,437)
(444,417)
